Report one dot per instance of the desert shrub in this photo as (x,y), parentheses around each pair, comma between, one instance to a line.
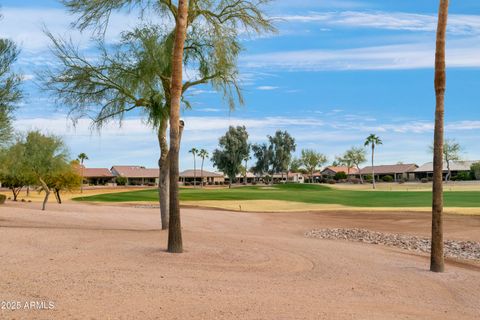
(332,181)
(354,180)
(186,184)
(424,180)
(121,181)
(254,183)
(340,176)
(387,179)
(2,198)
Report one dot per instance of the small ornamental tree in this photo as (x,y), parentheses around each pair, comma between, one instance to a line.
(13,173)
(45,155)
(64,179)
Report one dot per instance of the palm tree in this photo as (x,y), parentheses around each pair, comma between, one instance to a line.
(194,151)
(373,140)
(436,254)
(82,157)
(202,154)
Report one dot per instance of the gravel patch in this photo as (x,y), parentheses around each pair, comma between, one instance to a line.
(466,250)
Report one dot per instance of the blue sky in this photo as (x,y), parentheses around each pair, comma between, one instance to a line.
(335,72)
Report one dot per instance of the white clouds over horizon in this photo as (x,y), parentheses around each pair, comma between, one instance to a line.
(407,142)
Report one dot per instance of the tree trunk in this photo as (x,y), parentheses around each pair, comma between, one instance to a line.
(163,166)
(449,173)
(175,244)
(81,184)
(436,257)
(47,193)
(15,193)
(194,172)
(201,173)
(360,174)
(373,170)
(57,196)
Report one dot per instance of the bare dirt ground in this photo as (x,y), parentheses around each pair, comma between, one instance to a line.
(107,262)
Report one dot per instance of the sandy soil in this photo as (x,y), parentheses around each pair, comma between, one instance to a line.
(290,206)
(106,262)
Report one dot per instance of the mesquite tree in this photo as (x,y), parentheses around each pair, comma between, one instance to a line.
(10,92)
(200,31)
(312,161)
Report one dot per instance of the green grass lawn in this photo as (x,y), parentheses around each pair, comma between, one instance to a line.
(303,193)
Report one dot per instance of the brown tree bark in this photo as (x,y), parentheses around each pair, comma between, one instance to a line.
(436,256)
(163,183)
(47,193)
(175,244)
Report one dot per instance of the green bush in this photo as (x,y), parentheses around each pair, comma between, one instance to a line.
(476,170)
(463,176)
(340,176)
(387,179)
(121,181)
(2,198)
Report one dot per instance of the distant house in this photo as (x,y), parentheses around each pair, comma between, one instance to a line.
(426,170)
(333,170)
(294,177)
(189,176)
(250,178)
(396,171)
(97,176)
(137,175)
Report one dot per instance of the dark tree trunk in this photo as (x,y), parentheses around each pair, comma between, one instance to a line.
(15,192)
(175,244)
(57,196)
(436,257)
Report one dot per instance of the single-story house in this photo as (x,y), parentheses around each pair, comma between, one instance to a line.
(137,175)
(97,176)
(331,171)
(189,176)
(396,171)
(426,170)
(295,177)
(250,178)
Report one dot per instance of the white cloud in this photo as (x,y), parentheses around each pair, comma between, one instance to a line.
(266,88)
(457,24)
(460,53)
(135,143)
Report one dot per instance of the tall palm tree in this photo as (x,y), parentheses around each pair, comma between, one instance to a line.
(194,151)
(436,254)
(82,157)
(373,140)
(202,154)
